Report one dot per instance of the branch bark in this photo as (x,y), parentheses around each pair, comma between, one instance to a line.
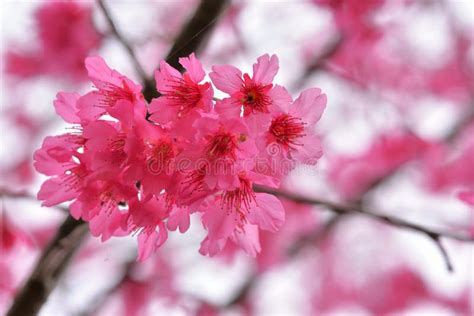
(49,268)
(196,31)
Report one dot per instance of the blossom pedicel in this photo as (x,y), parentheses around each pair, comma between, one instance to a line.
(126,173)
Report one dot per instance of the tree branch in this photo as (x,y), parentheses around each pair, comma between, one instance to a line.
(49,268)
(354,209)
(196,31)
(5,192)
(341,209)
(138,67)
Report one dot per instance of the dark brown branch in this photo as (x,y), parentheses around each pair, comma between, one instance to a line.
(443,251)
(196,31)
(49,268)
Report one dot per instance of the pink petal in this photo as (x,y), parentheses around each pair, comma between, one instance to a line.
(88,106)
(146,244)
(165,76)
(219,224)
(99,72)
(65,106)
(226,78)
(248,240)
(179,217)
(228,108)
(269,213)
(265,69)
(54,192)
(310,152)
(161,111)
(309,106)
(193,67)
(281,99)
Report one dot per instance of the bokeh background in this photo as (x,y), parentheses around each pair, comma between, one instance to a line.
(398,138)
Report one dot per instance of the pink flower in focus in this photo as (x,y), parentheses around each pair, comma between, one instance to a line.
(182,98)
(152,153)
(130,173)
(290,135)
(219,145)
(256,94)
(146,217)
(111,88)
(238,215)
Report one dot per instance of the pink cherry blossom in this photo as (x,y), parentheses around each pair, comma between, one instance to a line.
(256,94)
(183,97)
(127,172)
(290,136)
(238,214)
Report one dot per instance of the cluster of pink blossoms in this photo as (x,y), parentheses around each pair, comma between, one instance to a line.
(132,167)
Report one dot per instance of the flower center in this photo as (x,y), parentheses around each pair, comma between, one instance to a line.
(240,199)
(159,155)
(111,93)
(222,145)
(254,96)
(116,146)
(73,177)
(287,129)
(184,93)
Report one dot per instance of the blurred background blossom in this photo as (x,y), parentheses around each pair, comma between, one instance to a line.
(398,138)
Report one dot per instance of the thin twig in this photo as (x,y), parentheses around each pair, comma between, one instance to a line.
(443,251)
(11,194)
(354,209)
(138,67)
(196,31)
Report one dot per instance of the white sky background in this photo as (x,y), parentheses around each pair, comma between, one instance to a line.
(278,27)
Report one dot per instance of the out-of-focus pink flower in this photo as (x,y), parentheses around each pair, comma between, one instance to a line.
(300,223)
(10,235)
(353,16)
(148,282)
(445,168)
(66,36)
(352,175)
(467,196)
